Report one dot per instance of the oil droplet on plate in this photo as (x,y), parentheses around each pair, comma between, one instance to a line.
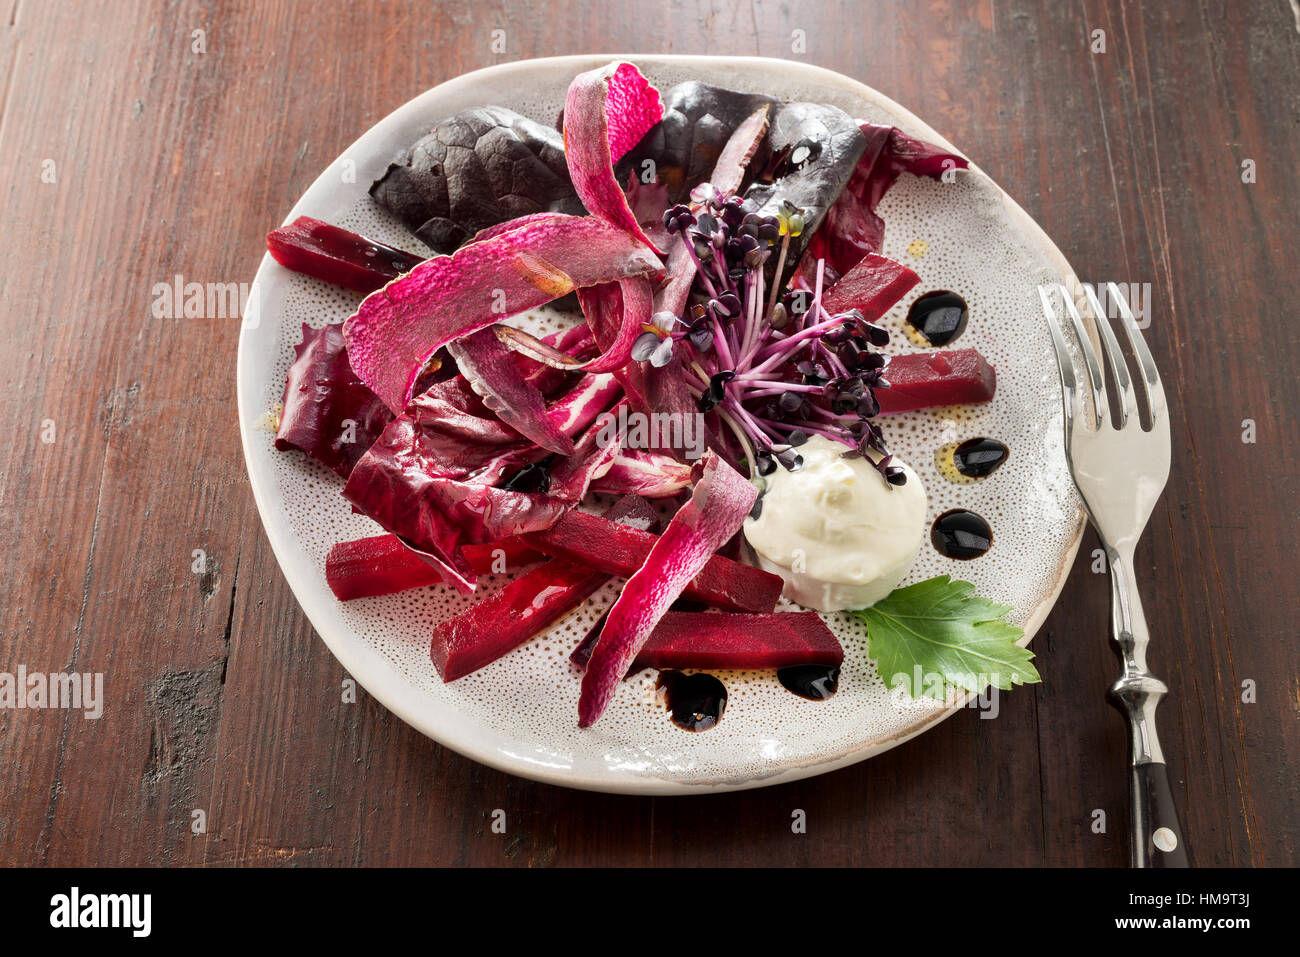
(917,248)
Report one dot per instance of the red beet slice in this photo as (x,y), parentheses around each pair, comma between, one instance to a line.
(382,565)
(528,605)
(396,330)
(718,506)
(336,255)
(706,640)
(923,380)
(872,286)
(621,551)
(510,617)
(606,112)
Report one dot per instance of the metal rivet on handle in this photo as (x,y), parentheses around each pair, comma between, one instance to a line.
(1164,839)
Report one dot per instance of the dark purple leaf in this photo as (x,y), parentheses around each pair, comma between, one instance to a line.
(328,413)
(476,169)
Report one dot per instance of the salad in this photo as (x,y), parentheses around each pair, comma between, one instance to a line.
(710,428)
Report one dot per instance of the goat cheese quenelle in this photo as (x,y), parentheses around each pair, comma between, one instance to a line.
(840,536)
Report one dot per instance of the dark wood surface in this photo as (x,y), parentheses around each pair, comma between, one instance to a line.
(220,698)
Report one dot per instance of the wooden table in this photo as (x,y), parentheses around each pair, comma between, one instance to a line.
(220,698)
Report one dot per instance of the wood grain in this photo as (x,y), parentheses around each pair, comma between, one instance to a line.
(219,696)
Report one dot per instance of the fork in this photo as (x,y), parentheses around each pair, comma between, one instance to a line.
(1120,470)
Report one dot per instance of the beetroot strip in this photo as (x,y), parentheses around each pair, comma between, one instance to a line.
(525,607)
(872,287)
(717,508)
(492,372)
(338,256)
(621,551)
(923,380)
(503,622)
(382,565)
(708,640)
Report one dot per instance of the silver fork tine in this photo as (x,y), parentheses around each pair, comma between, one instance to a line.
(1155,390)
(1064,363)
(1114,359)
(1100,404)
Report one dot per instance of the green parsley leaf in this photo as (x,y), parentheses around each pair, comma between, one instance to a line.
(940,632)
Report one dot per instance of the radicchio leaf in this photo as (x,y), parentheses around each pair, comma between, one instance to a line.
(431,477)
(436,515)
(492,372)
(718,506)
(648,474)
(572,478)
(852,229)
(606,111)
(328,413)
(476,169)
(396,330)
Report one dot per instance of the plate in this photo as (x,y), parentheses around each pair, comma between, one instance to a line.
(519,714)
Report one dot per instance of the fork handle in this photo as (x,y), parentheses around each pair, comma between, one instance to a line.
(1156,837)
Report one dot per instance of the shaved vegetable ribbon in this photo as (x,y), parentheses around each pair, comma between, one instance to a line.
(635,310)
(396,331)
(717,508)
(606,112)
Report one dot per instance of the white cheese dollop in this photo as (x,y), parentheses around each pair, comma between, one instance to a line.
(835,531)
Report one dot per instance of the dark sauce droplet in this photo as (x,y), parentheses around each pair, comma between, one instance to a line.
(696,702)
(962,534)
(939,316)
(530,478)
(977,458)
(814,682)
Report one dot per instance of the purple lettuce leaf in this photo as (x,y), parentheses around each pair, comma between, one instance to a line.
(328,412)
(852,228)
(476,169)
(685,145)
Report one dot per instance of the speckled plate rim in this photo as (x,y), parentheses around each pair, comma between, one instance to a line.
(361,661)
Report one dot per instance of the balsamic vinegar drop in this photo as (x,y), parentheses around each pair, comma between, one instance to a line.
(961,534)
(696,702)
(939,316)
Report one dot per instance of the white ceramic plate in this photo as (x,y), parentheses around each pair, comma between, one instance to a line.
(520,713)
